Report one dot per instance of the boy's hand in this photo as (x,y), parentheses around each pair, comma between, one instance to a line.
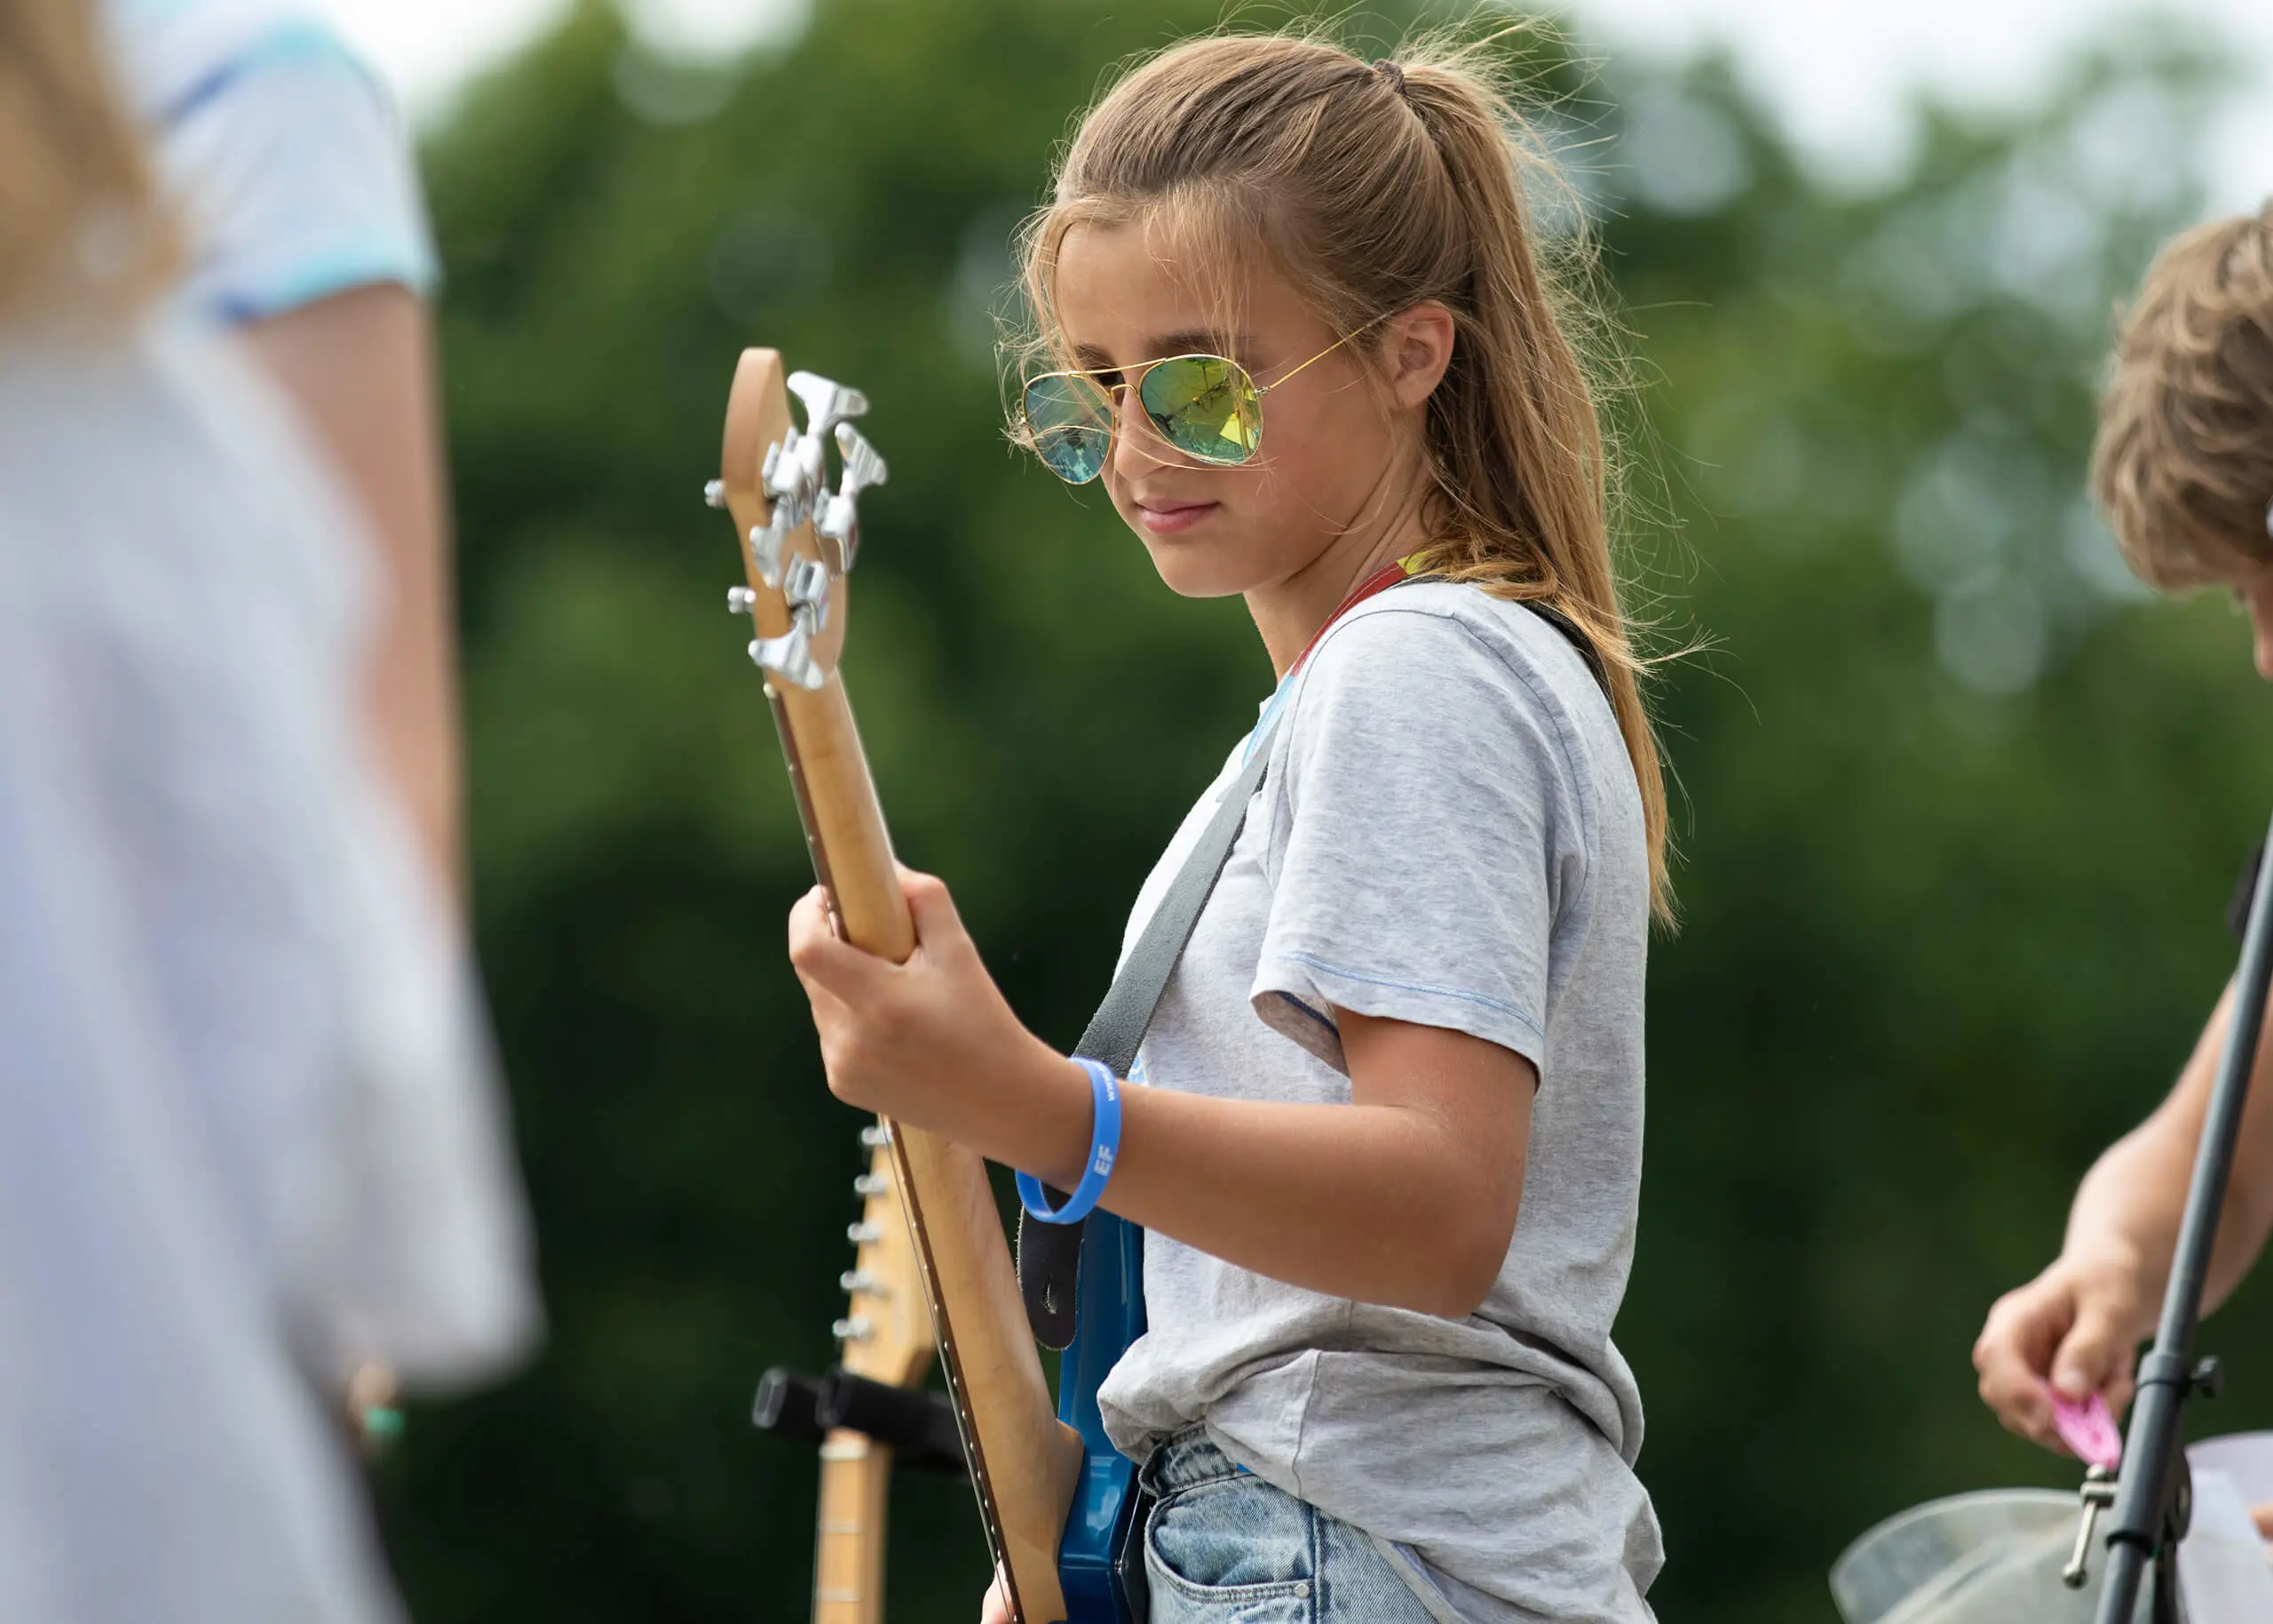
(2075,1329)
(996,1608)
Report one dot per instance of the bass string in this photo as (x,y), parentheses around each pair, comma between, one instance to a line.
(814,850)
(950,1365)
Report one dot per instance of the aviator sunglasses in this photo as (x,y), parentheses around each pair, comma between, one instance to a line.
(1208,407)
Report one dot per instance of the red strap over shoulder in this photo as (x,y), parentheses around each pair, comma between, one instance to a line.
(1380,580)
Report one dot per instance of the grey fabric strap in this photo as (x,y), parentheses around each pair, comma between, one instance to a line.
(1050,1253)
(1118,1027)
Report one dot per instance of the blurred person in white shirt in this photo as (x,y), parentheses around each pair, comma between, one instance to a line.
(249,1140)
(305,237)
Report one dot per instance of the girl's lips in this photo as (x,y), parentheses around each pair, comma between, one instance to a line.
(1168,517)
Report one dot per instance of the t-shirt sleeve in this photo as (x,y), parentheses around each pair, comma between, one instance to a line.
(295,178)
(1425,833)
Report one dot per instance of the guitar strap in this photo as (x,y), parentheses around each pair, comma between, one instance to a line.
(1050,1253)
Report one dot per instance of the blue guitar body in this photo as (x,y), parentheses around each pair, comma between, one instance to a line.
(1100,1555)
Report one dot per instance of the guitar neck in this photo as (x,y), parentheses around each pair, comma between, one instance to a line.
(1024,1460)
(848,1548)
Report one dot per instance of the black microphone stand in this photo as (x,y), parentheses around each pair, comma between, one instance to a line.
(2153,1503)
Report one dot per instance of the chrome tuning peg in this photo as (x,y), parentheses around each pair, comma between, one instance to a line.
(839,520)
(871,1184)
(828,403)
(790,657)
(713,493)
(766,542)
(876,1136)
(805,582)
(792,479)
(741,600)
(864,464)
(856,1327)
(861,1280)
(792,475)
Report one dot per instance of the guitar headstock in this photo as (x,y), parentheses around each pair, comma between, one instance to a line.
(886,1331)
(799,533)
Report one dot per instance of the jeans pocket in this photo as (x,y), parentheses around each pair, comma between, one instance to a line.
(1234,1551)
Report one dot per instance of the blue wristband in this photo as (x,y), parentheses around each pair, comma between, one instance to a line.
(1105,1145)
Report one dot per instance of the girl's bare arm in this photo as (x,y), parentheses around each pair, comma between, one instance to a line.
(1407,1196)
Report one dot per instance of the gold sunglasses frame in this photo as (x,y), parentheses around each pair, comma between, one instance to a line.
(1133,382)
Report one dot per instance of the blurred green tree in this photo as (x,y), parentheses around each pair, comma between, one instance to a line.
(1960,815)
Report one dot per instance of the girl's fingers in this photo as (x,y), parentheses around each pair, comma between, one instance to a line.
(821,960)
(932,908)
(808,916)
(996,1608)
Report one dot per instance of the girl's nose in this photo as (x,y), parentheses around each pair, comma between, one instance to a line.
(1138,445)
(1133,450)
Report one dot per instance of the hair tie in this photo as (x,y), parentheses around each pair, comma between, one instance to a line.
(1392,75)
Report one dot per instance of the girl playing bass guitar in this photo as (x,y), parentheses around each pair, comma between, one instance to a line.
(1388,1143)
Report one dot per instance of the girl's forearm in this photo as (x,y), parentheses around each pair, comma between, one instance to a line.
(1376,1203)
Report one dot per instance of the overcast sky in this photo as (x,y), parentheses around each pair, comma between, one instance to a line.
(1838,71)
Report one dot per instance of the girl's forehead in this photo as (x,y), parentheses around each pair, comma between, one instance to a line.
(1119,289)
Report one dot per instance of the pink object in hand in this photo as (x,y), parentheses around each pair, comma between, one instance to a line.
(2088,1430)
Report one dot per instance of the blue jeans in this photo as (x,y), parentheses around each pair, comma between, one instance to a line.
(1224,1547)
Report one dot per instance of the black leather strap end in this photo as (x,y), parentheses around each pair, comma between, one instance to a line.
(1049,1257)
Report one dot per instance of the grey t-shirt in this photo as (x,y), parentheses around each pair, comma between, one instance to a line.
(1450,834)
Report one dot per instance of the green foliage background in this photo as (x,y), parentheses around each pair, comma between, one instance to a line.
(1960,814)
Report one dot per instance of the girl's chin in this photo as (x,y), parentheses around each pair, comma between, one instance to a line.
(1195,572)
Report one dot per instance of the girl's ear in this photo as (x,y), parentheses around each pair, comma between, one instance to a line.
(1416,347)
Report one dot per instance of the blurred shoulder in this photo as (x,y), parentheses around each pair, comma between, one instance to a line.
(283,149)
(180,54)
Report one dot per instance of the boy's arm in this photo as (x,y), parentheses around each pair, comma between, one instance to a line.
(2077,1325)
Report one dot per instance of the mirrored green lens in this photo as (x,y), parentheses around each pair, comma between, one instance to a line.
(1069,421)
(1204,406)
